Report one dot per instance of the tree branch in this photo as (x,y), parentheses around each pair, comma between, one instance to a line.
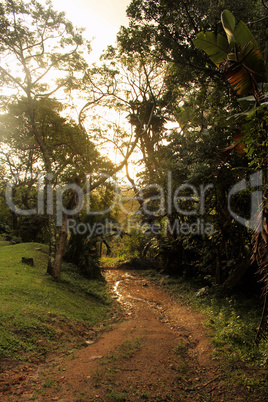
(124,162)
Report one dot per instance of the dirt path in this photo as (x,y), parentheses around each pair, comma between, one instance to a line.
(160,351)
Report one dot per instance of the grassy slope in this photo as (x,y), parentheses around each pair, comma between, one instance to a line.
(39,315)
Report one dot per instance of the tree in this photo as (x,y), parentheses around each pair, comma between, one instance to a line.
(40,51)
(48,53)
(130,90)
(166,29)
(245,69)
(70,154)
(42,56)
(200,101)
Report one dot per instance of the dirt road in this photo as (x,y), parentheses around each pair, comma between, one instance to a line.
(159,351)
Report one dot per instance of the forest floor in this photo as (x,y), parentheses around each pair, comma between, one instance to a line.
(157,349)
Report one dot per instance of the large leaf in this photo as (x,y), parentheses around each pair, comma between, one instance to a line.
(228,23)
(239,56)
(244,69)
(251,58)
(243,35)
(237,34)
(255,61)
(216,47)
(240,79)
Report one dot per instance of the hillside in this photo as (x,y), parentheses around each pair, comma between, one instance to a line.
(39,315)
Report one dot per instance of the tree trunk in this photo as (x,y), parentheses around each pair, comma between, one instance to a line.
(57,248)
(52,244)
(56,270)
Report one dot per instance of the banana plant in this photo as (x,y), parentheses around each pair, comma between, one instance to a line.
(237,55)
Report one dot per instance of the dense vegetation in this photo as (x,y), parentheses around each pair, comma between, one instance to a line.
(180,110)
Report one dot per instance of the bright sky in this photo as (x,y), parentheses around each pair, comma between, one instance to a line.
(101,18)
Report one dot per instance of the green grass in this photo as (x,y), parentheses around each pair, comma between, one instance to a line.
(181,349)
(117,396)
(110,261)
(39,315)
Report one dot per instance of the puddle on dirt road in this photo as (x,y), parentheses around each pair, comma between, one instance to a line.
(126,287)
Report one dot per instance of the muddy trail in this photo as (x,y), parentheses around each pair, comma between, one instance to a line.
(159,350)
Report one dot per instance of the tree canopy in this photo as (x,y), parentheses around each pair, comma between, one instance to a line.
(170,88)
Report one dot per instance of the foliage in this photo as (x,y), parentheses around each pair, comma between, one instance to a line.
(142,79)
(84,248)
(68,153)
(246,71)
(201,149)
(46,49)
(167,28)
(49,54)
(65,148)
(255,139)
(238,56)
(41,57)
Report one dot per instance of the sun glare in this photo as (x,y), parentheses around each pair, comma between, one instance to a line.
(101,20)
